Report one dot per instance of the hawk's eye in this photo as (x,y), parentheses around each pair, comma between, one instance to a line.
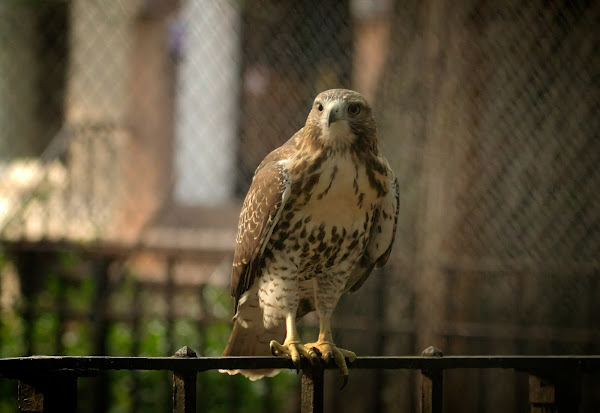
(320,107)
(354,109)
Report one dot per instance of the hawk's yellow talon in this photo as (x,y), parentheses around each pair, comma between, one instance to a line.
(293,349)
(345,382)
(312,355)
(274,346)
(350,355)
(329,350)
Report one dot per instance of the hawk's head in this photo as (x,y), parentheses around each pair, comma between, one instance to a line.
(342,118)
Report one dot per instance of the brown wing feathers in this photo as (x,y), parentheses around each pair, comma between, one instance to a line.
(259,215)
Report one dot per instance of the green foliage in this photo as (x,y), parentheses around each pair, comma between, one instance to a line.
(77,339)
(8,390)
(44,333)
(185,331)
(11,331)
(122,384)
(154,390)
(119,339)
(62,322)
(218,302)
(3,260)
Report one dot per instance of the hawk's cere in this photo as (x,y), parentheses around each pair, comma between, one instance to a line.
(320,214)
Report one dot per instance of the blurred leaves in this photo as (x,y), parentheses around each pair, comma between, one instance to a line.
(60,309)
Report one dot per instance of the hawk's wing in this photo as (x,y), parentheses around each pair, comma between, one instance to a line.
(262,207)
(381,238)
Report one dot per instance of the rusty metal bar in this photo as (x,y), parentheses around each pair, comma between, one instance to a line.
(184,385)
(542,395)
(432,385)
(48,394)
(49,384)
(312,387)
(99,325)
(23,366)
(554,391)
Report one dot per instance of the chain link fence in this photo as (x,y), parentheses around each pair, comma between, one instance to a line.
(141,123)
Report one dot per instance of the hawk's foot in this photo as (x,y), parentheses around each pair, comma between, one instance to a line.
(292,349)
(327,350)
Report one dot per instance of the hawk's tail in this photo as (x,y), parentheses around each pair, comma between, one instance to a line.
(252,340)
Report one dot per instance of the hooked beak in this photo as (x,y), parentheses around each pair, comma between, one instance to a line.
(332,117)
(335,113)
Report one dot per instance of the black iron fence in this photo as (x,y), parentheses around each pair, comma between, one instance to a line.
(106,308)
(49,384)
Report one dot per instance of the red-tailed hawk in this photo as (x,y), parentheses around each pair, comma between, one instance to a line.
(320,214)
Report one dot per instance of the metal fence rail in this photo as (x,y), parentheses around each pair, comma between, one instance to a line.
(49,384)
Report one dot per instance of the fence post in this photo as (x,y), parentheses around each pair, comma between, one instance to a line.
(55,393)
(551,393)
(312,387)
(542,395)
(99,325)
(184,385)
(432,383)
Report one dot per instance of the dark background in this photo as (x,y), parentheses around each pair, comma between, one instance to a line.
(487,111)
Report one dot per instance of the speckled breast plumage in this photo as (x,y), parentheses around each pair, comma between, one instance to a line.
(320,238)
